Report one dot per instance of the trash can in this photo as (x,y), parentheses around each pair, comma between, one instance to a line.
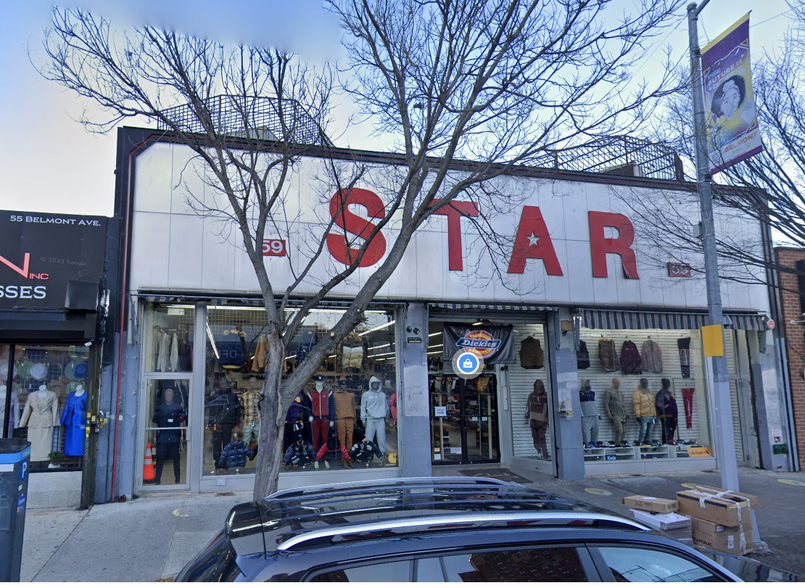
(14,457)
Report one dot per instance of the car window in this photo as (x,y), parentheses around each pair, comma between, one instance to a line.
(635,564)
(391,571)
(550,564)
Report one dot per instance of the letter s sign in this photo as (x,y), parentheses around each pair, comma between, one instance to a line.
(352,223)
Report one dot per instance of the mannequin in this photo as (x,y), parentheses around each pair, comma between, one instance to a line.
(537,417)
(14,415)
(223,409)
(40,414)
(374,412)
(345,418)
(668,412)
(250,411)
(645,409)
(74,420)
(323,416)
(615,409)
(170,421)
(589,413)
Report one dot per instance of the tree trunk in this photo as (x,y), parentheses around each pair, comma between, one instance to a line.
(269,447)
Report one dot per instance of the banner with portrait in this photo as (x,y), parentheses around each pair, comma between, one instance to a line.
(732,129)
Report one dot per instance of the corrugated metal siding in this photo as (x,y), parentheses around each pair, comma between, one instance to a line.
(732,367)
(521,384)
(667,341)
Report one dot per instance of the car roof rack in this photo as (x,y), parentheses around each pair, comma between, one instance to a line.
(365,486)
(479,521)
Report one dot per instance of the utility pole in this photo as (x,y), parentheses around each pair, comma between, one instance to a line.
(725,447)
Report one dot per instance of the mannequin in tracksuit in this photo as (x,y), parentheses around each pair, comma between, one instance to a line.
(374,412)
(323,415)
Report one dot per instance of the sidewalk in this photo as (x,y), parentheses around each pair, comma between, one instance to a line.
(154,536)
(142,540)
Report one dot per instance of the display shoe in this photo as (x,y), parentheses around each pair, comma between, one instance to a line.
(327,465)
(349,464)
(316,465)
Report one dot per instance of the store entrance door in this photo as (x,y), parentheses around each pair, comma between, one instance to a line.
(464,420)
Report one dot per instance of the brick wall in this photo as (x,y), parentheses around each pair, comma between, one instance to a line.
(795,341)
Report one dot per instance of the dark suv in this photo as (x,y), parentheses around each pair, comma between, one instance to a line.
(439,529)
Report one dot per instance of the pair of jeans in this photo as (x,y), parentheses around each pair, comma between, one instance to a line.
(646,425)
(589,428)
(170,451)
(668,428)
(249,430)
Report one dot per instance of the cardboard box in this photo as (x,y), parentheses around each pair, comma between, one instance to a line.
(754,501)
(735,540)
(663,522)
(729,510)
(650,503)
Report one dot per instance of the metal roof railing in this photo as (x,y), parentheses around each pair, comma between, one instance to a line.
(249,117)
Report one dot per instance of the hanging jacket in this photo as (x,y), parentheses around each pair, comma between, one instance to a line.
(364,451)
(531,355)
(608,355)
(684,355)
(322,403)
(666,405)
(631,362)
(234,455)
(298,453)
(224,408)
(652,356)
(582,356)
(644,403)
(297,411)
(344,405)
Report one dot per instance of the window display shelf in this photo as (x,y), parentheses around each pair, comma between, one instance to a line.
(654,452)
(609,453)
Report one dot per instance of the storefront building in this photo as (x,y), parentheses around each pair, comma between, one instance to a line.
(584,304)
(51,335)
(792,330)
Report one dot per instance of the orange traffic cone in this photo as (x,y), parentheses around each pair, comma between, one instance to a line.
(148,469)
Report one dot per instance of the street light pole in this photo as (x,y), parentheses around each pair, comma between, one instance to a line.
(725,447)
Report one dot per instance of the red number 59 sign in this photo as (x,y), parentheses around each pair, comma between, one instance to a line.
(274,247)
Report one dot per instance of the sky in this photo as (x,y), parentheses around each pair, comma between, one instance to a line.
(50,163)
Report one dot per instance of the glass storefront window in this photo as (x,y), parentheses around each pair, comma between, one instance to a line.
(169,346)
(166,432)
(44,400)
(463,413)
(345,417)
(641,393)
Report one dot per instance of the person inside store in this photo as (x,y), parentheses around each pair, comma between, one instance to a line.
(616,410)
(668,412)
(645,410)
(169,419)
(223,409)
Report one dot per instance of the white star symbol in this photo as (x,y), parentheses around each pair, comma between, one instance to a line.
(533,239)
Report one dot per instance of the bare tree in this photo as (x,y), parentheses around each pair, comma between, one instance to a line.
(768,187)
(469,89)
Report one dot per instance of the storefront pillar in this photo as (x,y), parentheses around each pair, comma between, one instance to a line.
(768,402)
(569,452)
(415,449)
